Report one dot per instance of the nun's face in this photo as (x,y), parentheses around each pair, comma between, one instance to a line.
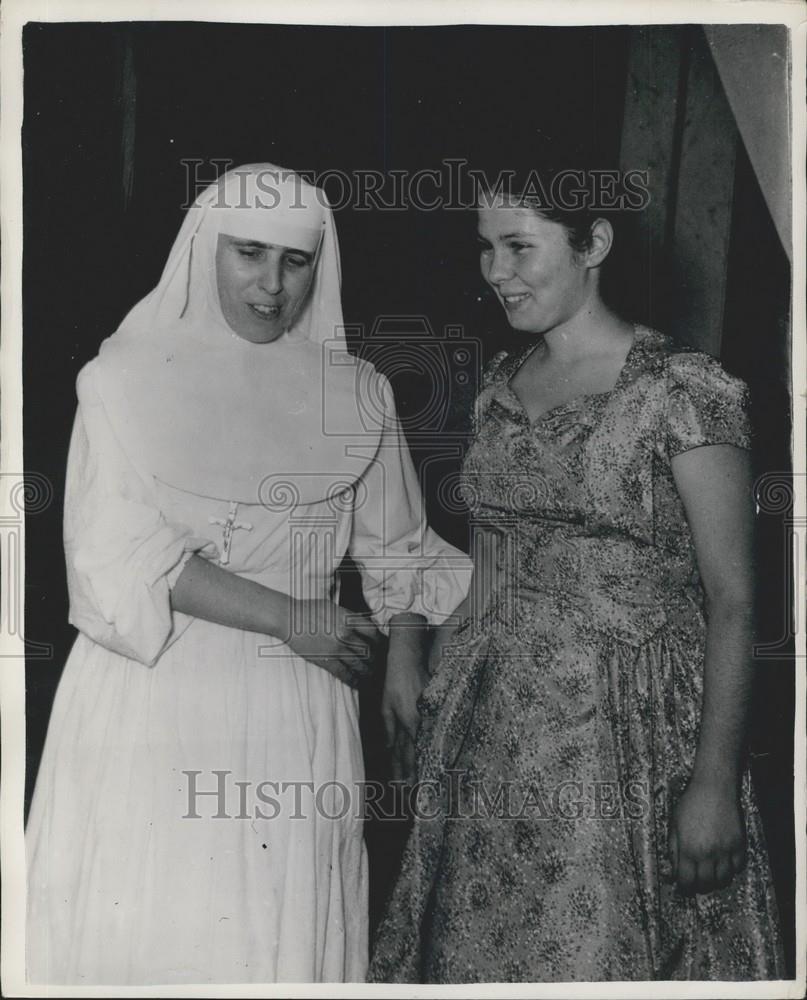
(261,286)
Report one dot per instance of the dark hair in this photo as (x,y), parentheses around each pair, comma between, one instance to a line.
(565,195)
(574,189)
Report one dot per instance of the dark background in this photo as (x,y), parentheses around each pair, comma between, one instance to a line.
(111,110)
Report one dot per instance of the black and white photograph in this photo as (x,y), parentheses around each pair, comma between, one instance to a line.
(403,499)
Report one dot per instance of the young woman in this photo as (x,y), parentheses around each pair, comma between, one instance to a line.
(196,815)
(589,814)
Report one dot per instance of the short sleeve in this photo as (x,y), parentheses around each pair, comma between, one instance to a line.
(122,556)
(704,405)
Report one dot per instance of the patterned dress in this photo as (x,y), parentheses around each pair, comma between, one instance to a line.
(562,726)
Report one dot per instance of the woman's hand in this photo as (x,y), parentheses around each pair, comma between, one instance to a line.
(342,642)
(707,836)
(405,678)
(443,638)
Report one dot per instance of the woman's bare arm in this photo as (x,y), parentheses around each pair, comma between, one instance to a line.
(707,837)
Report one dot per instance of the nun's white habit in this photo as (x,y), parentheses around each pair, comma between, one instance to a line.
(182,824)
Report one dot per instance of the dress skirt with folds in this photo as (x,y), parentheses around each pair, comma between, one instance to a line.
(561,726)
(196,816)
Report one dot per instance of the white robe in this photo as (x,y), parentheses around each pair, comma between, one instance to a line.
(133,878)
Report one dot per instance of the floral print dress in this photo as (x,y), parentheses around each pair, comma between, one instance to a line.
(561,727)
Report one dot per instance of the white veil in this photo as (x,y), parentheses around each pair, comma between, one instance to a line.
(207,411)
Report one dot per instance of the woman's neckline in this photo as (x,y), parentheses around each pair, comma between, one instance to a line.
(638,335)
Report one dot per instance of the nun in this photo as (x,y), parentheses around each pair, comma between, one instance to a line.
(196,816)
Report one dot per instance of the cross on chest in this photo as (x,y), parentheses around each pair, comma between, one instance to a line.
(229,525)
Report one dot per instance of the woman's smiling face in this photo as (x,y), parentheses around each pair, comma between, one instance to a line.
(261,286)
(538,278)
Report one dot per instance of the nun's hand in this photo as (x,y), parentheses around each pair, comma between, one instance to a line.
(343,642)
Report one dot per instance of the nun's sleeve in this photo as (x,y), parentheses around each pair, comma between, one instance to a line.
(122,556)
(405,566)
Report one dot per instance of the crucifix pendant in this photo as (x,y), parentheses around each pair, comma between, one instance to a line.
(229,525)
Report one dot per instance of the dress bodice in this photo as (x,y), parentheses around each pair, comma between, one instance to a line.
(583,498)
